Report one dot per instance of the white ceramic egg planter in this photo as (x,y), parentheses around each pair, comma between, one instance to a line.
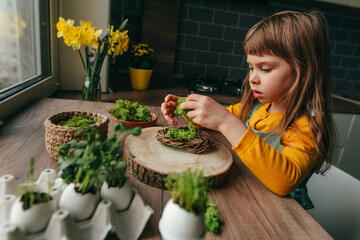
(127,224)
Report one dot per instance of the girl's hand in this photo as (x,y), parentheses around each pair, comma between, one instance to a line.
(168,108)
(206,111)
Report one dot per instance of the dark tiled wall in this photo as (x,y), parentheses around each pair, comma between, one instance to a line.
(211,32)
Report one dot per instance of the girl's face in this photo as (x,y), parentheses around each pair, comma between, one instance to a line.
(270,77)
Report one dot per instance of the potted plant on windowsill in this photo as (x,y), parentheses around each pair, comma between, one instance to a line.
(31,212)
(183,215)
(141,64)
(116,186)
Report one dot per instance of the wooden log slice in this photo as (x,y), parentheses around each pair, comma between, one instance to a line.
(150,161)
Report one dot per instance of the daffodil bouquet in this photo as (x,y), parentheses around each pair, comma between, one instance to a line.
(141,56)
(97,45)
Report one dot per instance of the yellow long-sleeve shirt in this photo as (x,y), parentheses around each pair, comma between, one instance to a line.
(283,171)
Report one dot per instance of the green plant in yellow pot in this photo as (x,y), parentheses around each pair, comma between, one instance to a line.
(141,63)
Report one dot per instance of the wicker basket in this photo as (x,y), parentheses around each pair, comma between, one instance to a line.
(56,135)
(202,143)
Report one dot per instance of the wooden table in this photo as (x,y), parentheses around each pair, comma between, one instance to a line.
(248,208)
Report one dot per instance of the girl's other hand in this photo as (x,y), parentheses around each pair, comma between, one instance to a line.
(168,108)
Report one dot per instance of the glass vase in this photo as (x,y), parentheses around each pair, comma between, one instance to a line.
(91,89)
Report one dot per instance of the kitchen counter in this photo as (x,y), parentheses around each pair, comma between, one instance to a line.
(249,210)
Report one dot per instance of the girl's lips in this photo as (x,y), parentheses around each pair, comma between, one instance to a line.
(257,94)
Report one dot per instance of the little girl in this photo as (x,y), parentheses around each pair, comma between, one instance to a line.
(282,128)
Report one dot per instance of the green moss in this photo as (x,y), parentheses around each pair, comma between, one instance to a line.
(78,121)
(212,218)
(182,134)
(130,111)
(179,111)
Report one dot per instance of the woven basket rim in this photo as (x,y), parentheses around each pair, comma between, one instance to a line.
(187,145)
(50,123)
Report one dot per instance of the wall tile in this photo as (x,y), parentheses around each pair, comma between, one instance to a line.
(192,2)
(351,24)
(188,27)
(335,60)
(235,34)
(338,35)
(333,20)
(217,72)
(337,72)
(238,49)
(210,30)
(263,10)
(226,18)
(197,43)
(248,21)
(183,12)
(180,41)
(355,37)
(350,62)
(185,55)
(343,48)
(207,58)
(240,6)
(236,73)
(230,60)
(343,85)
(215,4)
(354,75)
(200,14)
(192,69)
(221,46)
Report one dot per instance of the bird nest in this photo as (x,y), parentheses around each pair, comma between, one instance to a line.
(203,142)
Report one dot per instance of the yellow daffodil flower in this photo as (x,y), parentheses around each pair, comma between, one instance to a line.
(62,26)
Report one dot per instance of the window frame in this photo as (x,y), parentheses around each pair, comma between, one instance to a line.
(41,86)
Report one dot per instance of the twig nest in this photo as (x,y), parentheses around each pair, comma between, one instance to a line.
(56,135)
(203,142)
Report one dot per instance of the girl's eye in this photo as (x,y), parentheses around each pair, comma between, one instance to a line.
(250,68)
(266,69)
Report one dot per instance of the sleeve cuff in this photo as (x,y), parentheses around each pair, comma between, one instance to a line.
(245,142)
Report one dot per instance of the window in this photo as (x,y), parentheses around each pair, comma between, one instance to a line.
(26,49)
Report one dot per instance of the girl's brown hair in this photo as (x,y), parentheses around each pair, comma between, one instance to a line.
(301,39)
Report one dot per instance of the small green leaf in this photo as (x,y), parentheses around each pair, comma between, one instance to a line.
(123,24)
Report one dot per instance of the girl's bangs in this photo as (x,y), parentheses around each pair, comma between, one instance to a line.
(258,42)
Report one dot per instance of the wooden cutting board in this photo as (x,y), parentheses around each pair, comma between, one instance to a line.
(150,161)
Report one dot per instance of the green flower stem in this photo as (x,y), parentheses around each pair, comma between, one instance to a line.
(82,59)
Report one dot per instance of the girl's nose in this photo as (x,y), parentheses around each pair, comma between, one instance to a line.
(253,78)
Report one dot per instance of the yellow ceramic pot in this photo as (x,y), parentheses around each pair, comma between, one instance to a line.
(140,78)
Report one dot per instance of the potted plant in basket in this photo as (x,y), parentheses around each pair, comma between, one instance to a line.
(132,114)
(60,128)
(31,212)
(111,42)
(116,186)
(141,64)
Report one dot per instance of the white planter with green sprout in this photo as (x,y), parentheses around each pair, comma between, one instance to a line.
(31,211)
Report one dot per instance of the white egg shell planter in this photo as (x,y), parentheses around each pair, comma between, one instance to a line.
(177,223)
(127,224)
